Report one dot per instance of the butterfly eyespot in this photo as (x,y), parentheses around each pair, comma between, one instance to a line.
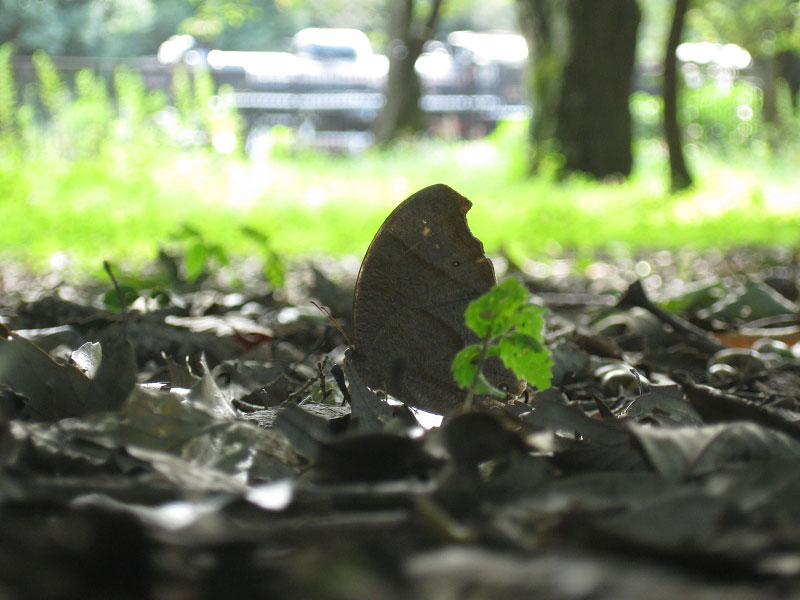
(456,263)
(503,387)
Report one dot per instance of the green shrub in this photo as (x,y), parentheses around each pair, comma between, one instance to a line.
(722,117)
(90,159)
(710,115)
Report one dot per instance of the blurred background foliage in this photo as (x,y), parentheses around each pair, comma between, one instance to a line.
(108,168)
(116,28)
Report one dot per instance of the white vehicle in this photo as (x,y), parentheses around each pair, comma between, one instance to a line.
(331,85)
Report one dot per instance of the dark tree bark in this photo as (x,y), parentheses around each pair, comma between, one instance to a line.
(789,69)
(767,68)
(402,112)
(582,58)
(679,176)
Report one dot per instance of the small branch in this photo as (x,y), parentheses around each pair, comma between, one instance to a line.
(636,296)
(433,17)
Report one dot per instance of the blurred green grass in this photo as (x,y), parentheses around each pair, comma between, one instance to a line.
(94,210)
(84,178)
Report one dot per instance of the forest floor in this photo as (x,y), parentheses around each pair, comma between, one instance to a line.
(205,449)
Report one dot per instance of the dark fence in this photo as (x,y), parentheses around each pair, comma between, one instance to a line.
(156,76)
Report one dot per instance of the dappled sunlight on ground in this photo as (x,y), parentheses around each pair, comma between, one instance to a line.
(736,191)
(782,199)
(247,183)
(315,196)
(479,153)
(731,193)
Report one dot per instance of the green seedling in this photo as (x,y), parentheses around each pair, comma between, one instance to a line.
(120,296)
(510,328)
(118,299)
(198,253)
(274,267)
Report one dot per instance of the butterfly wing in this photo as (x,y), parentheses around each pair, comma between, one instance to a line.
(420,272)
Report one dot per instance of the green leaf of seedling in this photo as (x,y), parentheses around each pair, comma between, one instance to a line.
(161,297)
(465,365)
(195,261)
(530,320)
(258,236)
(274,268)
(129,295)
(527,356)
(511,329)
(219,253)
(186,232)
(494,313)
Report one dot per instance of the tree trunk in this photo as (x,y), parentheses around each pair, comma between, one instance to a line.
(789,69)
(402,112)
(769,107)
(582,58)
(679,176)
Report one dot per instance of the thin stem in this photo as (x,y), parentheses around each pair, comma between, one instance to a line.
(120,296)
(471,392)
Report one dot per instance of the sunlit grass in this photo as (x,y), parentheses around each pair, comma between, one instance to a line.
(309,203)
(86,176)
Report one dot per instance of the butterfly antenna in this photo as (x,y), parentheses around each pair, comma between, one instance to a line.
(333,322)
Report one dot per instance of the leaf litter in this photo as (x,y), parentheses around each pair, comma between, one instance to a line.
(213,439)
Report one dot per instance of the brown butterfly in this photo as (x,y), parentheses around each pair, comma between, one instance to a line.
(420,272)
